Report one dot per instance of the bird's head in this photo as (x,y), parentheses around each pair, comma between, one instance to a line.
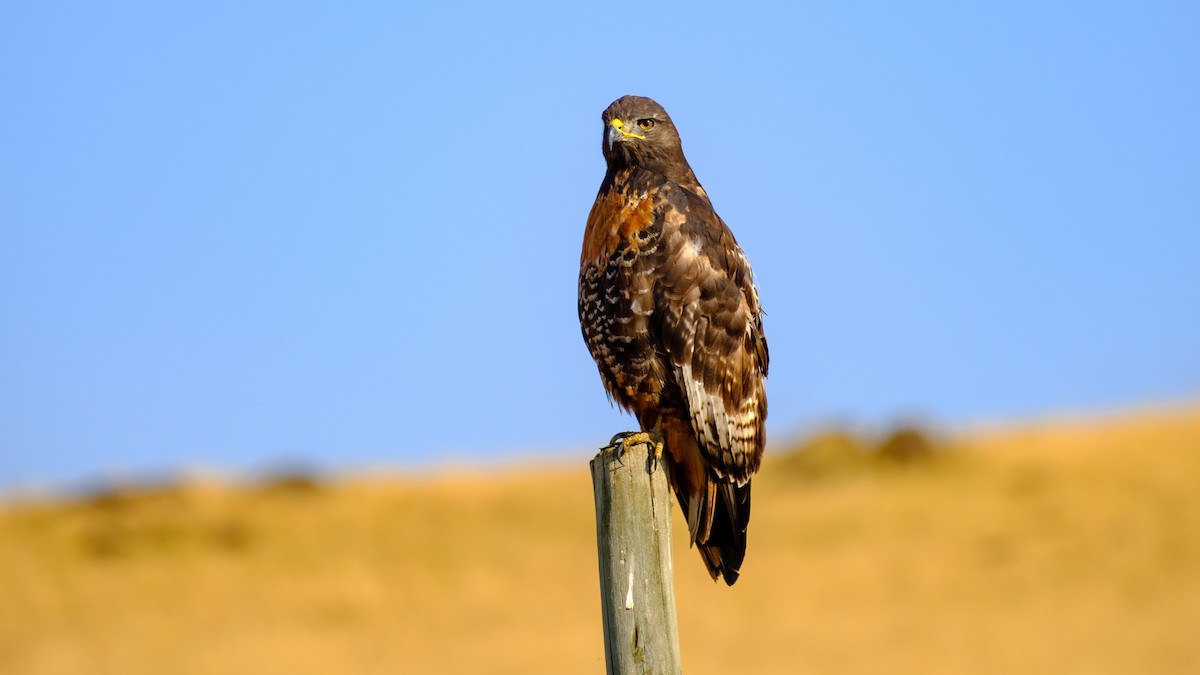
(639,132)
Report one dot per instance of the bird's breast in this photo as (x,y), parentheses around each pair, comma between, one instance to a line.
(620,212)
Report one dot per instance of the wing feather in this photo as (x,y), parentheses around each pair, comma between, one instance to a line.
(712,332)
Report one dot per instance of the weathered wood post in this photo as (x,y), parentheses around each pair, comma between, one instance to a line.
(633,539)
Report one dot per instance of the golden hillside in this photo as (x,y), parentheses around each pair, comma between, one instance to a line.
(1071,547)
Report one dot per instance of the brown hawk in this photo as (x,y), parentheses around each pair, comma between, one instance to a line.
(670,313)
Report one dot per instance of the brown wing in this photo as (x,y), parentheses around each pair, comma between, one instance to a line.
(711,329)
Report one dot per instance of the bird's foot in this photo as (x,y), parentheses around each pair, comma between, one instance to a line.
(626,440)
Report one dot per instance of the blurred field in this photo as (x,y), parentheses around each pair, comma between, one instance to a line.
(1071,547)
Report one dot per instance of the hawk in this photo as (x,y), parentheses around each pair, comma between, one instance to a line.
(670,313)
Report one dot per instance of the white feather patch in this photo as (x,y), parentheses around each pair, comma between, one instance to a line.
(709,420)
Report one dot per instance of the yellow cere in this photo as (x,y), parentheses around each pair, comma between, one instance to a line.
(618,123)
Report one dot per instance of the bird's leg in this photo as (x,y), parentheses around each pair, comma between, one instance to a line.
(629,439)
(656,451)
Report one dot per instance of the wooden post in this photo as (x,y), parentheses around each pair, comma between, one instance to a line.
(633,539)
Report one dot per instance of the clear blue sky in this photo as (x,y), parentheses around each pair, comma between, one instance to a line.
(349,234)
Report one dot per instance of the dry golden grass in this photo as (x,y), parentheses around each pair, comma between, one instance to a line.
(1071,547)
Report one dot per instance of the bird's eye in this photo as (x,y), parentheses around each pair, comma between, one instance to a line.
(645,124)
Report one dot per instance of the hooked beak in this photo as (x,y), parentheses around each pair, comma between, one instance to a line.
(612,135)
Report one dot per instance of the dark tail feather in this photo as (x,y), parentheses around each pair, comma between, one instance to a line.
(723,546)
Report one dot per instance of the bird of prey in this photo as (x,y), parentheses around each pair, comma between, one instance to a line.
(670,313)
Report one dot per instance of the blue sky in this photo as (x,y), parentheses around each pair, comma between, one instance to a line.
(238,233)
